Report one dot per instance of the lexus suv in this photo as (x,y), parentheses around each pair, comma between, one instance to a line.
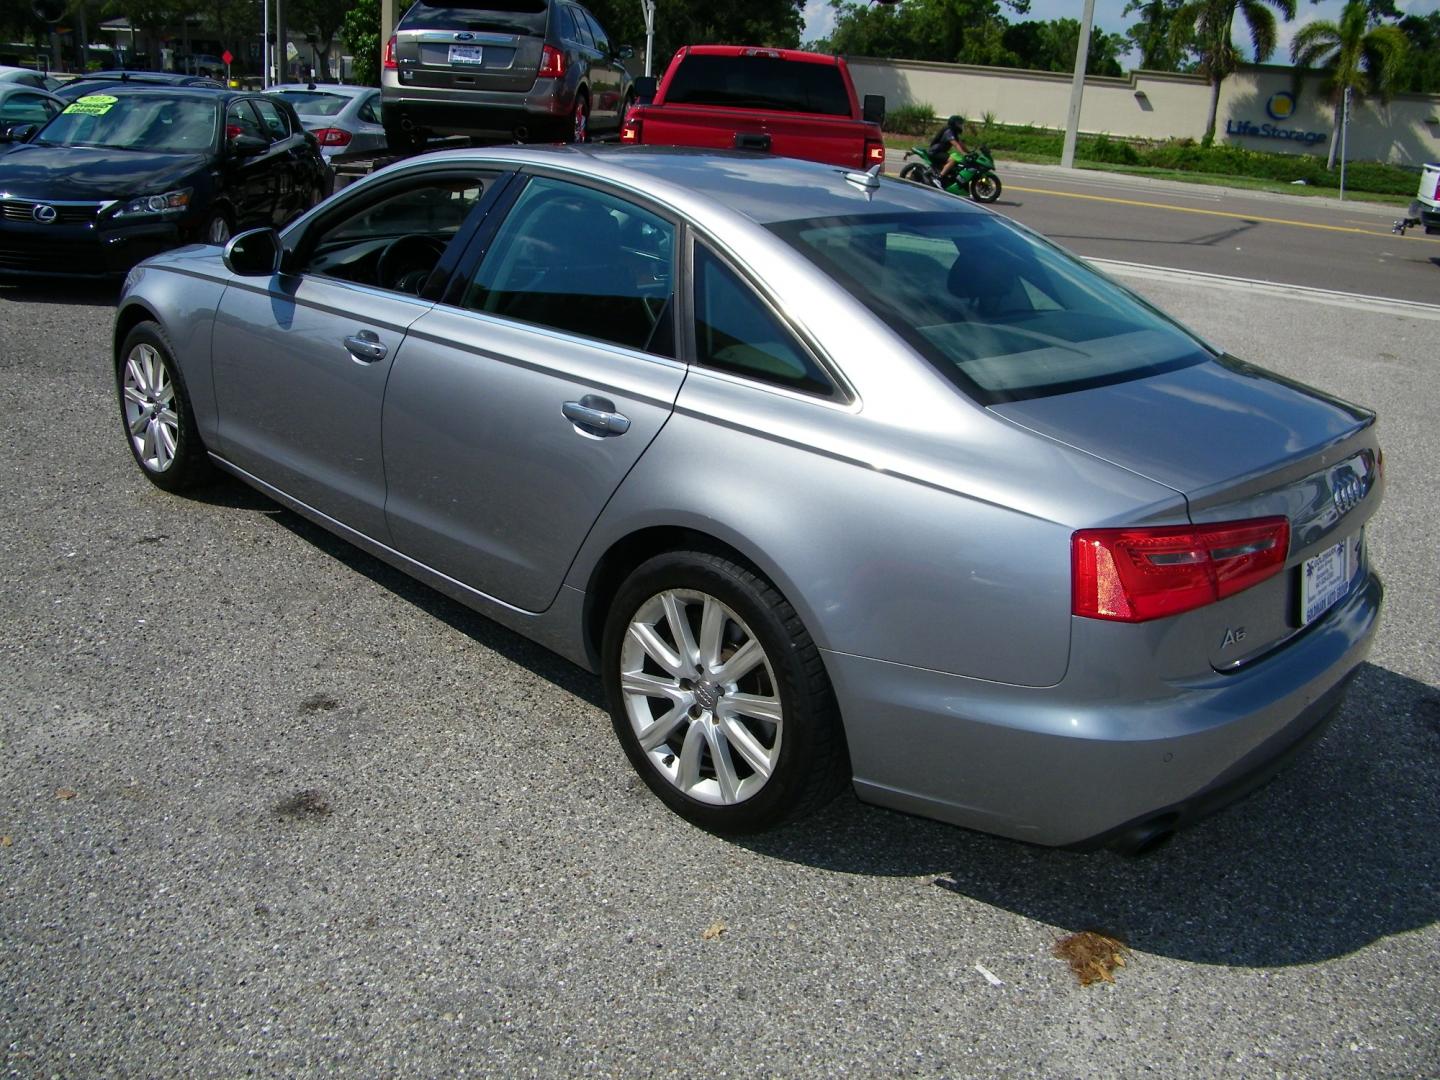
(527,70)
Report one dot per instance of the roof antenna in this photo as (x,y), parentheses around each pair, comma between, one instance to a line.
(867,181)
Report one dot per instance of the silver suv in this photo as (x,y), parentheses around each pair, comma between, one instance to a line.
(529,70)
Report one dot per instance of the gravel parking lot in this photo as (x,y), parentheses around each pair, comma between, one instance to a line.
(268,807)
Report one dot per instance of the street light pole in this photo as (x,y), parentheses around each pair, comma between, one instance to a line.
(647,7)
(1344,131)
(264,44)
(1077,87)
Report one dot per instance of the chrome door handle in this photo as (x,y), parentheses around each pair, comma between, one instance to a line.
(596,415)
(365,347)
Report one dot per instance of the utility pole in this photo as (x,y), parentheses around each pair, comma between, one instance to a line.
(1344,131)
(264,44)
(1077,87)
(282,52)
(647,7)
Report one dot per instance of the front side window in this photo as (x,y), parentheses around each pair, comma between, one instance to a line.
(395,242)
(736,331)
(26,109)
(584,262)
(241,119)
(1000,312)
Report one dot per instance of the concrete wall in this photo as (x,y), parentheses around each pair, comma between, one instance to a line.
(1158,105)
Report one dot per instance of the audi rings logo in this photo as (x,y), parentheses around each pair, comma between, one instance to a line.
(44,214)
(1348,494)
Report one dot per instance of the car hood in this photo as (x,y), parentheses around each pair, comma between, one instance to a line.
(1208,424)
(77,173)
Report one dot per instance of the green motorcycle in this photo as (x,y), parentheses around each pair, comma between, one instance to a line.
(973,173)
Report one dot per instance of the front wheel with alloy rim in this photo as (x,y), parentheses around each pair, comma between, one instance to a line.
(719,696)
(985,188)
(217,229)
(155,409)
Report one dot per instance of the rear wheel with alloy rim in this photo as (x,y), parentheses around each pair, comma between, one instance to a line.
(580,132)
(155,408)
(719,696)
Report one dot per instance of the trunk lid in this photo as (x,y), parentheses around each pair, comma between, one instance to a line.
(829,140)
(1239,443)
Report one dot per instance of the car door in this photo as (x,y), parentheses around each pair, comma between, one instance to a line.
(301,358)
(369,132)
(607,77)
(528,393)
(252,181)
(295,184)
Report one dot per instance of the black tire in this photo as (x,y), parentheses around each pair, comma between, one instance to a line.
(810,764)
(403,142)
(916,174)
(985,188)
(143,419)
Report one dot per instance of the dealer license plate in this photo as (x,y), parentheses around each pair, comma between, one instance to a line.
(1325,579)
(467,54)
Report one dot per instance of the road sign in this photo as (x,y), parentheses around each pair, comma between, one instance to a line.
(227,57)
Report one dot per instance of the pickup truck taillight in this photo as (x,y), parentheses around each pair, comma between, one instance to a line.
(630,130)
(552,63)
(1133,575)
(389,63)
(874,154)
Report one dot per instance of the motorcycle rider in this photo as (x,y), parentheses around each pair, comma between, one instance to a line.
(950,143)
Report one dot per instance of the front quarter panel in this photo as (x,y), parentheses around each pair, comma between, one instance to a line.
(181,291)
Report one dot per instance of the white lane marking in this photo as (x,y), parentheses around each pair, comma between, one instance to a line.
(1357,301)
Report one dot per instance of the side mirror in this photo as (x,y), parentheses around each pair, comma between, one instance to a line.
(254,253)
(626,52)
(247,146)
(645,88)
(18,133)
(873,109)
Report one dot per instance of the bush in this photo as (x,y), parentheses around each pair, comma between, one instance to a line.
(916,119)
(1112,151)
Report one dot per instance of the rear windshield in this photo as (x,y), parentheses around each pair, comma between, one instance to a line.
(1000,312)
(314,102)
(502,16)
(759,82)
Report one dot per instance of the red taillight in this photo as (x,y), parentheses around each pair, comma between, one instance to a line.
(389,63)
(332,136)
(552,63)
(630,133)
(874,154)
(1131,575)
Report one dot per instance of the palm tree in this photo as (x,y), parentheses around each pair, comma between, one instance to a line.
(1354,56)
(1210,22)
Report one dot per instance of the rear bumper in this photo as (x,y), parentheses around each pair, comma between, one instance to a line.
(1037,765)
(544,110)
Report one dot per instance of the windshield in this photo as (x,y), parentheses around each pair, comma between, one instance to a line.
(999,311)
(314,102)
(759,82)
(156,124)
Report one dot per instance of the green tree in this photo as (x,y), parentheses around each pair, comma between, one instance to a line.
(1210,22)
(361,32)
(1353,55)
(1153,35)
(324,19)
(953,31)
(1420,71)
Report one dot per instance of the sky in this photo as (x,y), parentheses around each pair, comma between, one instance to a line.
(1110,17)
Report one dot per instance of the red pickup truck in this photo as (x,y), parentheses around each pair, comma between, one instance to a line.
(786,102)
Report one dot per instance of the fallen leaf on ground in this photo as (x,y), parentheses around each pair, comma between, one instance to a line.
(714,930)
(5,841)
(65,793)
(1093,957)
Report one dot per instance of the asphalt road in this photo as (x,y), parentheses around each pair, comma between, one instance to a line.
(1318,242)
(267,807)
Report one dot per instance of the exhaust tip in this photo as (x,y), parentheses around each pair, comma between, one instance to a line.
(1146,837)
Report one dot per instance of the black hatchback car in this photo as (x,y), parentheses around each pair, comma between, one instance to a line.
(130,171)
(528,70)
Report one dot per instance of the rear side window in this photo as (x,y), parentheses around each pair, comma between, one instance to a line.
(501,16)
(735,331)
(760,82)
(999,311)
(584,262)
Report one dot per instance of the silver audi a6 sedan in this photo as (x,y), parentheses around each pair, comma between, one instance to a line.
(832,478)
